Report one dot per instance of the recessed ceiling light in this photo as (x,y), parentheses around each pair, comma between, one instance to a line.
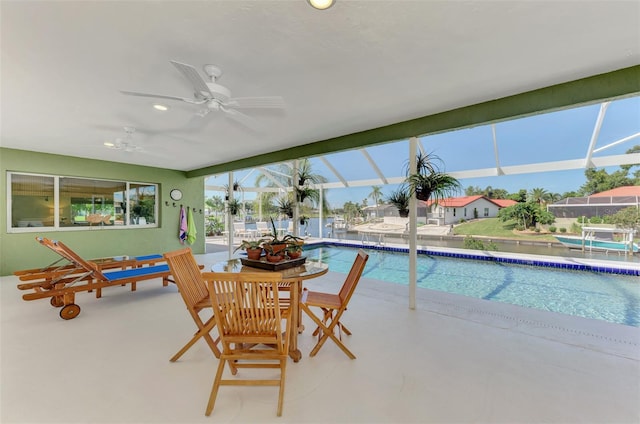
(158,106)
(321,4)
(109,144)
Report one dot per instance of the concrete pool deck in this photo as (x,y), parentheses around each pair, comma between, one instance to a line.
(453,359)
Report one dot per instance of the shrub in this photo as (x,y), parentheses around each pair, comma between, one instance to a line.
(552,229)
(595,220)
(563,230)
(472,243)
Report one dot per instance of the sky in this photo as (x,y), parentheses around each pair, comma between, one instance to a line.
(555,136)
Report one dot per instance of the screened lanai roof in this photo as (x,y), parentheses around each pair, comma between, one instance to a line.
(494,154)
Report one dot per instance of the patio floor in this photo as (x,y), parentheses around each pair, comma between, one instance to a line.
(454,359)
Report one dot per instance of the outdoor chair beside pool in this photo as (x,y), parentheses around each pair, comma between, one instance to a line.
(262,228)
(333,307)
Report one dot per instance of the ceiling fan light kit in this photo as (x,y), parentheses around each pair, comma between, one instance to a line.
(124,144)
(321,4)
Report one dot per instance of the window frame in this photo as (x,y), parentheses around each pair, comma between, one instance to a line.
(127,225)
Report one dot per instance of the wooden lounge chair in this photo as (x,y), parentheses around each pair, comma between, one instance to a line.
(262,228)
(188,277)
(240,230)
(333,306)
(249,317)
(60,284)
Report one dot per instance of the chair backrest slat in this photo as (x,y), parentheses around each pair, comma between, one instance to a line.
(187,276)
(246,304)
(64,251)
(353,277)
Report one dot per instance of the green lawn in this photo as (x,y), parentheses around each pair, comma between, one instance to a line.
(493,227)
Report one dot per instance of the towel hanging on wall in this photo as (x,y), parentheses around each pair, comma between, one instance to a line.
(182,231)
(191,226)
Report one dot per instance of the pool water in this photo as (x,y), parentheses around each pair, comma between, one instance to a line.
(608,297)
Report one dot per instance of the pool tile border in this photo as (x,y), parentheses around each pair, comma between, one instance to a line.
(486,256)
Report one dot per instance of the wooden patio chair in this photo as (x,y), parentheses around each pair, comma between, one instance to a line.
(193,289)
(249,318)
(333,306)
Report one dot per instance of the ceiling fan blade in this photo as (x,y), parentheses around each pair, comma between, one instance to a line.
(198,83)
(269,102)
(159,96)
(241,118)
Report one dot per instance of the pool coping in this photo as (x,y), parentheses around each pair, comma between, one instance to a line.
(568,263)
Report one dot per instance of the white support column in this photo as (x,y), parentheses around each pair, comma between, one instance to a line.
(413,228)
(229,216)
(321,206)
(296,209)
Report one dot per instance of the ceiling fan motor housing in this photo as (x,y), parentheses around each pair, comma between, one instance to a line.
(219,92)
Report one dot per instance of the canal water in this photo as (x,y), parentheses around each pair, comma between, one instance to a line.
(553,249)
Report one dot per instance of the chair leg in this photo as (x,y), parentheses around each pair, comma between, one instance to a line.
(326,332)
(283,368)
(202,332)
(216,386)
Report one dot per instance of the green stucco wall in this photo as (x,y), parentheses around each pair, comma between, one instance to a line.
(21,251)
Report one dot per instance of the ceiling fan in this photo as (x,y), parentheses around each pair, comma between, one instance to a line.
(125,143)
(215,97)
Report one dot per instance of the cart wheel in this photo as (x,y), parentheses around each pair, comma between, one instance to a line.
(57,301)
(70,311)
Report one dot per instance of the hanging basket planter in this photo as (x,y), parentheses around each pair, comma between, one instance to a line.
(422,194)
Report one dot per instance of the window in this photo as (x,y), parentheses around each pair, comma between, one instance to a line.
(486,212)
(69,202)
(32,201)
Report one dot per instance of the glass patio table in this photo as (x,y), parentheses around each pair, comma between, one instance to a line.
(294,277)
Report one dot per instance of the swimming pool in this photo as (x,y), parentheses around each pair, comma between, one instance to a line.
(608,297)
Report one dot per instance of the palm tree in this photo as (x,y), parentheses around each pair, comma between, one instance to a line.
(376,193)
(539,195)
(215,204)
(283,174)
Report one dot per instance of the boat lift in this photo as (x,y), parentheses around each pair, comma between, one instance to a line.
(591,242)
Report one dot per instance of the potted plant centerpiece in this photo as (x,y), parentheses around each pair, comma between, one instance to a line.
(294,250)
(400,199)
(276,246)
(252,247)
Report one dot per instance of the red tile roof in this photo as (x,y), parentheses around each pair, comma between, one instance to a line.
(620,191)
(504,203)
(458,202)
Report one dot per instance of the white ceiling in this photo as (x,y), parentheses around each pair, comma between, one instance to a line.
(356,66)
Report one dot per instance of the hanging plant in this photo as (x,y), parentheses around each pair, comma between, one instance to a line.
(307,175)
(234,206)
(400,199)
(429,182)
(306,192)
(285,206)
